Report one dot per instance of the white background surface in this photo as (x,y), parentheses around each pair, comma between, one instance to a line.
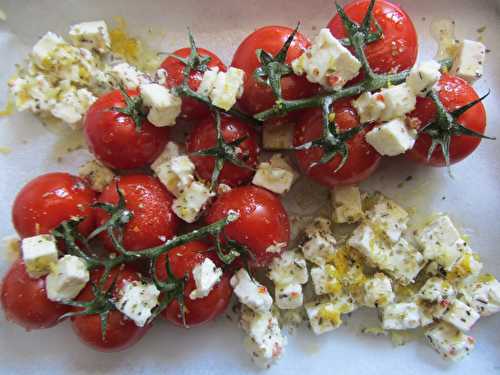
(472,197)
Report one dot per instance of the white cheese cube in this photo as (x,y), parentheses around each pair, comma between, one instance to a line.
(276,179)
(91,35)
(388,217)
(325,280)
(164,107)
(466,270)
(327,62)
(289,296)
(436,290)
(399,100)
(223,88)
(39,254)
(369,106)
(400,316)
(423,77)
(431,311)
(136,301)
(403,262)
(469,61)
(461,316)
(128,76)
(318,250)
(44,48)
(250,292)
(378,291)
(191,201)
(206,275)
(483,296)
(208,81)
(176,174)
(73,105)
(277,136)
(364,239)
(289,268)
(171,151)
(391,138)
(320,227)
(96,174)
(67,279)
(449,342)
(325,314)
(346,203)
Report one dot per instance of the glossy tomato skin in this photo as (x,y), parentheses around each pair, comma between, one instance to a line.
(191,108)
(150,203)
(121,332)
(361,163)
(182,261)
(114,139)
(454,92)
(397,50)
(203,137)
(25,301)
(262,221)
(49,199)
(258,97)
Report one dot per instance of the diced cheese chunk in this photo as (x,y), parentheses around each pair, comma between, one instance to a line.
(403,262)
(449,342)
(44,48)
(250,292)
(39,254)
(399,100)
(72,105)
(223,88)
(391,138)
(483,296)
(436,290)
(208,81)
(325,280)
(378,291)
(171,151)
(164,107)
(325,314)
(387,217)
(91,35)
(318,250)
(346,203)
(369,106)
(176,174)
(276,176)
(136,301)
(67,279)
(423,77)
(460,315)
(327,62)
(364,239)
(277,136)
(466,270)
(320,227)
(289,268)
(206,275)
(191,201)
(469,61)
(289,296)
(431,311)
(400,316)
(128,76)
(96,174)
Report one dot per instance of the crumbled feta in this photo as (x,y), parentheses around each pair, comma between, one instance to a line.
(483,296)
(206,275)
(318,250)
(399,100)
(73,105)
(276,175)
(325,280)
(277,136)
(250,292)
(327,62)
(436,290)
(176,174)
(136,301)
(449,342)
(190,202)
(67,278)
(288,296)
(91,35)
(346,203)
(39,254)
(423,77)
(378,291)
(369,106)
(171,151)
(224,188)
(223,88)
(164,107)
(391,138)
(208,81)
(45,47)
(96,174)
(325,314)
(469,61)
(400,316)
(388,217)
(460,315)
(128,76)
(289,268)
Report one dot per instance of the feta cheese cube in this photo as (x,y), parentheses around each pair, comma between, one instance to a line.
(277,136)
(164,107)
(325,314)
(91,35)
(391,138)
(423,77)
(378,291)
(318,250)
(325,280)
(431,311)
(206,275)
(320,227)
(327,62)
(39,254)
(176,174)
(403,262)
(460,315)
(289,296)
(364,239)
(469,61)
(67,279)
(250,292)
(136,301)
(400,316)
(483,296)
(171,151)
(208,81)
(45,47)
(466,270)
(96,174)
(346,203)
(191,201)
(436,290)
(289,268)
(128,76)
(277,179)
(387,217)
(449,342)
(399,100)
(223,88)
(369,106)
(72,106)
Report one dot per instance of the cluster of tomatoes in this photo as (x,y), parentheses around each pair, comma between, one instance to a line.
(115,140)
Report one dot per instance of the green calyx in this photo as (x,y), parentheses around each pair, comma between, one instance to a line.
(134,108)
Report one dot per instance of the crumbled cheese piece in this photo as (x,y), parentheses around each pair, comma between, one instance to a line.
(128,76)
(469,61)
(276,175)
(346,203)
(423,77)
(39,254)
(319,246)
(460,315)
(67,279)
(399,100)
(96,174)
(250,292)
(223,88)
(136,301)
(289,268)
(277,136)
(176,174)
(45,47)
(449,342)
(164,107)
(206,275)
(208,81)
(224,188)
(431,312)
(400,316)
(378,291)
(388,217)
(404,262)
(391,138)
(327,62)
(436,290)
(91,35)
(325,280)
(325,314)
(73,105)
(483,295)
(190,202)
(171,151)
(289,296)
(369,106)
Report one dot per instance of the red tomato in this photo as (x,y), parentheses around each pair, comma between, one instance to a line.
(151,204)
(121,332)
(197,311)
(25,301)
(454,92)
(115,140)
(191,108)
(398,48)
(362,160)
(258,97)
(48,200)
(263,221)
(203,136)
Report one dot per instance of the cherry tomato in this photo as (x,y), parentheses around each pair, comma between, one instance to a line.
(454,92)
(115,139)
(257,96)
(398,48)
(262,223)
(25,301)
(48,200)
(203,137)
(362,160)
(121,332)
(150,203)
(197,311)
(191,108)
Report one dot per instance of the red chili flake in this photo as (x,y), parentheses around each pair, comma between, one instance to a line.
(332,80)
